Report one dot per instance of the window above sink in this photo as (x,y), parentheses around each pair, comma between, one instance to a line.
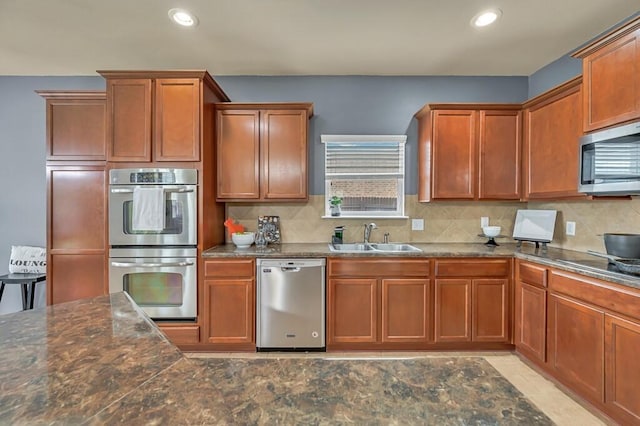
(366,173)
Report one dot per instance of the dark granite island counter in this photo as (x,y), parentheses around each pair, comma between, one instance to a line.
(102,361)
(90,361)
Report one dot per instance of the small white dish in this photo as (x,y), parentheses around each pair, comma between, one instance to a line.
(242,240)
(491,231)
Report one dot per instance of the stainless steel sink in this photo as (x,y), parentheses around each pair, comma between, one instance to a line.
(395,247)
(373,248)
(351,248)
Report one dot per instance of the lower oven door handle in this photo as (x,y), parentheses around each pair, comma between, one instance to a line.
(130,191)
(149,265)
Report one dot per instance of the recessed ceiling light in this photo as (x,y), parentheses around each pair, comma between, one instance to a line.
(183,17)
(485,18)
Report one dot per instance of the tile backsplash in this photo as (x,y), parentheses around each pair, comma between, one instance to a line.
(451,221)
(593,218)
(443,221)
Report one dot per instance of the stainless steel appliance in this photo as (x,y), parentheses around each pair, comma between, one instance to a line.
(291,304)
(155,261)
(179,187)
(162,280)
(609,161)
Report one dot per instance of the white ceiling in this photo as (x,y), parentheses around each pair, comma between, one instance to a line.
(298,37)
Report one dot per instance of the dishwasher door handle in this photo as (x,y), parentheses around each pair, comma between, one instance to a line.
(290,269)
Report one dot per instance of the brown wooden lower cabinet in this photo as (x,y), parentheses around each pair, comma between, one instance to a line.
(377,311)
(468,310)
(181,334)
(490,310)
(76,231)
(576,345)
(592,336)
(622,348)
(394,304)
(377,303)
(353,310)
(229,303)
(531,311)
(405,307)
(75,276)
(531,321)
(472,300)
(452,310)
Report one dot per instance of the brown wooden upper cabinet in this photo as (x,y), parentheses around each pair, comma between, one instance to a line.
(469,152)
(156,116)
(75,125)
(262,151)
(552,128)
(611,72)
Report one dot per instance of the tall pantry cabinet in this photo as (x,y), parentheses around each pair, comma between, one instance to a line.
(76,195)
(145,119)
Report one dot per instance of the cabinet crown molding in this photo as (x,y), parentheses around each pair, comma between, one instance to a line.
(72,94)
(466,106)
(608,38)
(550,95)
(270,105)
(201,74)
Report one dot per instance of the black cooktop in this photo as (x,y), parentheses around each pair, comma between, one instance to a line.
(598,264)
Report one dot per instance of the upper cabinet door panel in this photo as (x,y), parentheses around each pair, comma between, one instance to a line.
(612,83)
(284,154)
(454,153)
(238,154)
(499,157)
(177,119)
(129,119)
(262,151)
(552,131)
(76,129)
(77,207)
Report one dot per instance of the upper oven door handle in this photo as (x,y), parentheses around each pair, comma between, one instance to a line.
(150,265)
(130,191)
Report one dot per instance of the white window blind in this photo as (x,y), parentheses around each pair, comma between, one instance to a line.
(367,173)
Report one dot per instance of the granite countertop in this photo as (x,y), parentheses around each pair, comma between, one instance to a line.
(69,362)
(322,250)
(568,260)
(102,361)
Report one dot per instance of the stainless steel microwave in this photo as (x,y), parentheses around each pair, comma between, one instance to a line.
(610,161)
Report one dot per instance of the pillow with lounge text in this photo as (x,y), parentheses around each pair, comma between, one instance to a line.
(28,260)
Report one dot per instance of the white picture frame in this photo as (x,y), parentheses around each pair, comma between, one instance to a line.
(535,225)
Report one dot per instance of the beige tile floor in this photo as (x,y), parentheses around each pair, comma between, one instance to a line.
(560,407)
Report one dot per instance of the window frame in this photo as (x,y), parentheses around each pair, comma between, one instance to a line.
(401,140)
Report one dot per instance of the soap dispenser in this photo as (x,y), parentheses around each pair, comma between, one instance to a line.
(338,232)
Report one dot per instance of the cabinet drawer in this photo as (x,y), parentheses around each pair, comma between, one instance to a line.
(532,274)
(187,334)
(379,267)
(600,293)
(229,268)
(472,268)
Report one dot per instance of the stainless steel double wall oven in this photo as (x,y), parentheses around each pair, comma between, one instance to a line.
(153,239)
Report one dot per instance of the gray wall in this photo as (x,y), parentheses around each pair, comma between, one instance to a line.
(370,105)
(22,168)
(564,68)
(557,72)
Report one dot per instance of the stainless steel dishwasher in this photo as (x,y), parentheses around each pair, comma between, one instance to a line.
(291,304)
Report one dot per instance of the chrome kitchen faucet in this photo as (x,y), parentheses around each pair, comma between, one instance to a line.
(368,227)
